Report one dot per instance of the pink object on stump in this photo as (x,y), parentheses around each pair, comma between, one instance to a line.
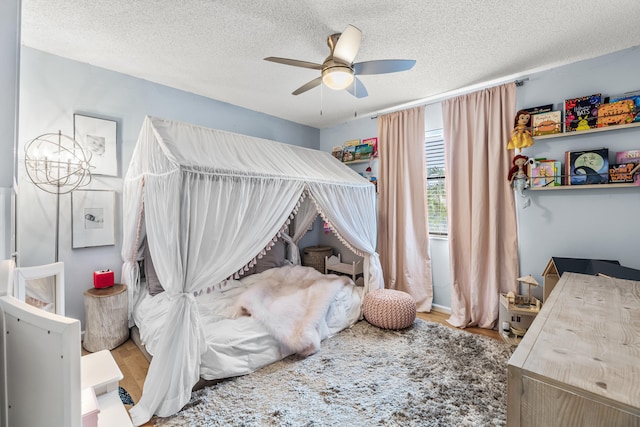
(389,309)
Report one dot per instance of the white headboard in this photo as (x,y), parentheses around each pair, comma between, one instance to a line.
(40,367)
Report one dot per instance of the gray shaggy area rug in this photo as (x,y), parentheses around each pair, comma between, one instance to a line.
(425,375)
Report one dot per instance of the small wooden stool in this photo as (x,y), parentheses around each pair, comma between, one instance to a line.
(107,320)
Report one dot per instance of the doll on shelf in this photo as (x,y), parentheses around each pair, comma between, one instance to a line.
(520,136)
(518,177)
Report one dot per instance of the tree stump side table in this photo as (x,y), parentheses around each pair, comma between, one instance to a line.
(107,321)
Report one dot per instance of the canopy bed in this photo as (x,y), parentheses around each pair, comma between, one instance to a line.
(211,211)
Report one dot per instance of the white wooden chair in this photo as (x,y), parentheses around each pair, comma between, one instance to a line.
(44,378)
(40,369)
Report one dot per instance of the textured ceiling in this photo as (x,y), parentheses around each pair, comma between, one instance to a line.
(215,48)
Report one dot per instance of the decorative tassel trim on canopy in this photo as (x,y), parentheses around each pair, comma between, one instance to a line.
(334,231)
(248,266)
(221,286)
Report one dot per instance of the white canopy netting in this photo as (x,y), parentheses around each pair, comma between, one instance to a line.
(209,203)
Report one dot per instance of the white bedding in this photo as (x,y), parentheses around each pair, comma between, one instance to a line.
(237,346)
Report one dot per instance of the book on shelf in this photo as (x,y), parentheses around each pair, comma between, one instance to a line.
(336,152)
(546,123)
(630,156)
(616,113)
(544,173)
(581,113)
(587,167)
(623,173)
(363,152)
(348,153)
(373,142)
(536,110)
(633,96)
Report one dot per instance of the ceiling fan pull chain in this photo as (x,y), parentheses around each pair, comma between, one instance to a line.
(355,100)
(321,98)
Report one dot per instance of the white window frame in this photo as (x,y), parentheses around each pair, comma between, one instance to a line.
(434,153)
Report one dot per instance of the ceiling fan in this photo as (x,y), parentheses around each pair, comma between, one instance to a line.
(338,70)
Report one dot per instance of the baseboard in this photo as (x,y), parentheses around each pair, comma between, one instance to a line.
(440,309)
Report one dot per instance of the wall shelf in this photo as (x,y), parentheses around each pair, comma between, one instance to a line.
(584,132)
(353,162)
(581,133)
(583,187)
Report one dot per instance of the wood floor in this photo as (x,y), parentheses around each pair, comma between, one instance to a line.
(134,365)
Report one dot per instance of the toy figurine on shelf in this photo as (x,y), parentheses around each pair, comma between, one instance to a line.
(520,136)
(518,177)
(517,174)
(530,281)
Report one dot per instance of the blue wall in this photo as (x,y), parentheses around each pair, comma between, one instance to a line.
(52,90)
(583,223)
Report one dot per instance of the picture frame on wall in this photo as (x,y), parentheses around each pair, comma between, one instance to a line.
(93,218)
(99,138)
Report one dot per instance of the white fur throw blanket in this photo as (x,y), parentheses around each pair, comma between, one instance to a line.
(291,302)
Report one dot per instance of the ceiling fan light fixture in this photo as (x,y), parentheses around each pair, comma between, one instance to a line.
(337,77)
(338,71)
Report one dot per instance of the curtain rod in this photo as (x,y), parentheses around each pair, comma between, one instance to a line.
(441,97)
(518,78)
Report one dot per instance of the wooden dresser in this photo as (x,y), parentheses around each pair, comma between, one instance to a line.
(579,363)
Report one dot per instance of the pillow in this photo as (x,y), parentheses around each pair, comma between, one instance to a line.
(153,283)
(274,258)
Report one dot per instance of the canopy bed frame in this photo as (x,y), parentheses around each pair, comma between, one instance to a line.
(209,207)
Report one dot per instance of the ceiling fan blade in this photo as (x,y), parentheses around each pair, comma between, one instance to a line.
(357,89)
(348,45)
(294,62)
(305,87)
(383,66)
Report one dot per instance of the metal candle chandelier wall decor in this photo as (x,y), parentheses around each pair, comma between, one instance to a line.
(57,164)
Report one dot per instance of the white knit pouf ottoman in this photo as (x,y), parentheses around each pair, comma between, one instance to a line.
(389,309)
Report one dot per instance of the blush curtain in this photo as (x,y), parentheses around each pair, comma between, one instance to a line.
(483,239)
(403,234)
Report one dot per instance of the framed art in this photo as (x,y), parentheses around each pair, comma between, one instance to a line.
(93,218)
(98,137)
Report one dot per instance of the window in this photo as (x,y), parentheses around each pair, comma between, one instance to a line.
(436,192)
